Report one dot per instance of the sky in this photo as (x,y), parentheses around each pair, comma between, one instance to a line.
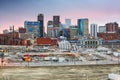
(15,12)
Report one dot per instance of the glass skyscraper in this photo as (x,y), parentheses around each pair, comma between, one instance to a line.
(83,27)
(32,27)
(40,18)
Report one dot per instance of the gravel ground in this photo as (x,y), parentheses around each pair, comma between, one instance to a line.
(98,72)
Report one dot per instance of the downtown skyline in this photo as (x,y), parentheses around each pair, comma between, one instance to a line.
(15,12)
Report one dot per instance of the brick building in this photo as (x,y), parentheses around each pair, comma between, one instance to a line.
(109,36)
(112,27)
(12,38)
(46,41)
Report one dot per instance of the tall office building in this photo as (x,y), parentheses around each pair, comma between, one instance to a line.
(41,20)
(68,22)
(102,29)
(50,30)
(83,27)
(56,21)
(93,30)
(56,26)
(32,27)
(73,31)
(112,27)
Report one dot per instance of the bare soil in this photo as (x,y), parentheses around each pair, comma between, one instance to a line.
(92,72)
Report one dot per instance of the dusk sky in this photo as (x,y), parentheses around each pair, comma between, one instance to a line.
(15,12)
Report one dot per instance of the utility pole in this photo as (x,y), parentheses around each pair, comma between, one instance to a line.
(13,34)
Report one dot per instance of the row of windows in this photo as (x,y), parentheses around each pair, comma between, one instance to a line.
(91,42)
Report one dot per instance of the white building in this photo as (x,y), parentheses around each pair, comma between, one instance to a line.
(86,42)
(93,30)
(64,45)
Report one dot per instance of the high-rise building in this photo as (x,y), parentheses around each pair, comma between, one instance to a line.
(68,22)
(73,31)
(41,27)
(112,27)
(102,29)
(56,21)
(83,27)
(50,30)
(56,26)
(33,28)
(93,30)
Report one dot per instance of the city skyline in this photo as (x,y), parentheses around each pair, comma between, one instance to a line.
(15,12)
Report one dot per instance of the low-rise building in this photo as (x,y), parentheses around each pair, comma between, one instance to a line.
(46,41)
(89,42)
(108,36)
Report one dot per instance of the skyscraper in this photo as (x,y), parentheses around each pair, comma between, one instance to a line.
(68,22)
(93,30)
(56,25)
(83,27)
(50,29)
(73,31)
(32,27)
(56,21)
(41,27)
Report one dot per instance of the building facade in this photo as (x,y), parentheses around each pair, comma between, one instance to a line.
(90,42)
(102,29)
(93,30)
(12,38)
(41,26)
(46,41)
(83,27)
(33,27)
(112,27)
(56,21)
(73,31)
(50,32)
(67,23)
(108,36)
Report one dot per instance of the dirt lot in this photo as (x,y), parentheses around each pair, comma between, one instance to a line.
(59,73)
